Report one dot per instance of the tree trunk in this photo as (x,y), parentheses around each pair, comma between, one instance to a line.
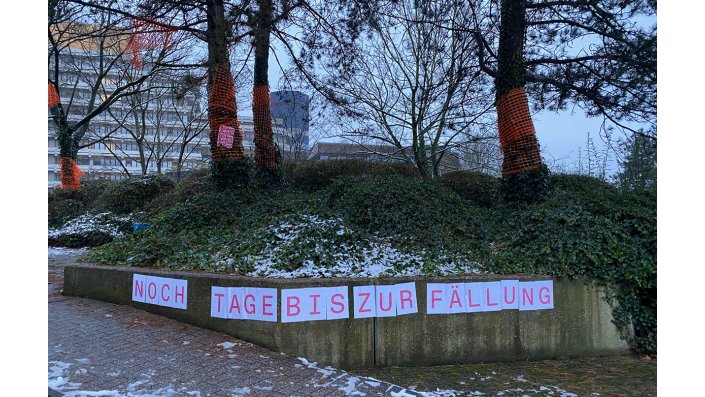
(522,167)
(69,173)
(265,156)
(228,164)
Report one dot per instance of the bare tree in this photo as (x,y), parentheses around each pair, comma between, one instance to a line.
(88,58)
(222,24)
(164,128)
(411,83)
(481,152)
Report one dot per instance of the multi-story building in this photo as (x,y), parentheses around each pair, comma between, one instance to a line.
(136,136)
(145,133)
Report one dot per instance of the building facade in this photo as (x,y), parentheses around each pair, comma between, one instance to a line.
(152,132)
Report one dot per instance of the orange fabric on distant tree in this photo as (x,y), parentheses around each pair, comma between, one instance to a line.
(54,98)
(147,35)
(517,136)
(69,173)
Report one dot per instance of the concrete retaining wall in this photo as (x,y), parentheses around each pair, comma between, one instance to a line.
(579,325)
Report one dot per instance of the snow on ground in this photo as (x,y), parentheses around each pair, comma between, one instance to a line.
(331,377)
(59,252)
(104,222)
(59,376)
(355,386)
(240,391)
(328,377)
(328,248)
(59,373)
(227,345)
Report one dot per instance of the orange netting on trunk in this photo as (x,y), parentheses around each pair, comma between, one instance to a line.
(517,136)
(222,111)
(147,35)
(69,173)
(265,154)
(54,98)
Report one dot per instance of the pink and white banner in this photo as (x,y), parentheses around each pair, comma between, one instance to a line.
(384,300)
(488,296)
(309,304)
(333,303)
(244,303)
(160,291)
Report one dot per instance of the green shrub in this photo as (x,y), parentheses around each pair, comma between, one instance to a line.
(581,185)
(188,232)
(62,210)
(611,241)
(476,187)
(65,204)
(196,182)
(183,249)
(319,174)
(129,195)
(409,210)
(232,173)
(526,186)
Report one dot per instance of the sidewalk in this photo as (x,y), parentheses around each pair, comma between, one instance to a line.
(103,349)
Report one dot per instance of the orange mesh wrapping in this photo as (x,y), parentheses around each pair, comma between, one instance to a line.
(222,110)
(134,53)
(69,173)
(53,96)
(265,157)
(147,35)
(517,137)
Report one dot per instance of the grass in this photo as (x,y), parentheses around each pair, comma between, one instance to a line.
(620,376)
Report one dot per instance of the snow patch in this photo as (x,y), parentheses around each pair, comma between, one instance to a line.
(58,252)
(85,224)
(58,376)
(328,248)
(350,387)
(240,391)
(225,345)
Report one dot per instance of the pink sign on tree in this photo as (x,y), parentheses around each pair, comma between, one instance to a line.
(226,135)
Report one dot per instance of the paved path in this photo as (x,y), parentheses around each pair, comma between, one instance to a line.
(103,349)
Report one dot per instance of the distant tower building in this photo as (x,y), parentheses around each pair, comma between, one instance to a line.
(290,115)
